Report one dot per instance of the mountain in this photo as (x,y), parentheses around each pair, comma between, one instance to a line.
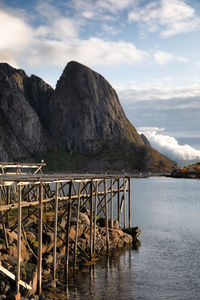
(88,112)
(21,131)
(79,126)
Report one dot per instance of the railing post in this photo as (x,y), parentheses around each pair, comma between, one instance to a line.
(129,202)
(77,223)
(95,215)
(40,238)
(91,218)
(69,207)
(106,214)
(55,232)
(19,237)
(118,200)
(111,203)
(124,196)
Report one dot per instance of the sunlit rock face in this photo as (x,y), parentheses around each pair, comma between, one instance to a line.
(88,112)
(81,117)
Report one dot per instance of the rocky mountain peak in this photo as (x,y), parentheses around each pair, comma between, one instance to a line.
(88,112)
(22,133)
(81,123)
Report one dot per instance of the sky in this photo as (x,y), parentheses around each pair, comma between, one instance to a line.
(149,51)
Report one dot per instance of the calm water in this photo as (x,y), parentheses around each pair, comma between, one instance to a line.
(167,265)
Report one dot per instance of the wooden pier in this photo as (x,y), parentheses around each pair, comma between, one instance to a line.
(26,192)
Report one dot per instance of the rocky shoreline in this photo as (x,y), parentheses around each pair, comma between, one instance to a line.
(118,239)
(190,171)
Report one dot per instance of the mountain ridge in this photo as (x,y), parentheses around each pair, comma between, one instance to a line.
(81,124)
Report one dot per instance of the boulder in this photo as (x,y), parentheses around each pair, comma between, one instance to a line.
(133,231)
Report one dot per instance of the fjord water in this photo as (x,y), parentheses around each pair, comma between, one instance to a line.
(167,265)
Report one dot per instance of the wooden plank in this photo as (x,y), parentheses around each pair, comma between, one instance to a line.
(12,276)
(111,203)
(21,165)
(118,201)
(91,219)
(77,224)
(4,231)
(129,203)
(39,262)
(19,238)
(106,215)
(124,204)
(37,170)
(69,206)
(55,232)
(35,203)
(95,216)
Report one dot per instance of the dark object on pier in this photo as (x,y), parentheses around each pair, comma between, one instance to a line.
(133,231)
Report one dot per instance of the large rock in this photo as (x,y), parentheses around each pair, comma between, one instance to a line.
(88,112)
(86,117)
(22,134)
(80,126)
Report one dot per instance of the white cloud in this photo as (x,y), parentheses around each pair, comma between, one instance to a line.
(7,56)
(92,9)
(14,32)
(57,39)
(98,51)
(57,42)
(148,93)
(170,17)
(114,5)
(94,51)
(162,58)
(168,145)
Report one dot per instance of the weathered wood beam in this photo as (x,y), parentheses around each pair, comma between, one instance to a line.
(19,238)
(55,233)
(91,219)
(69,208)
(118,201)
(77,225)
(39,263)
(95,216)
(13,277)
(129,203)
(106,215)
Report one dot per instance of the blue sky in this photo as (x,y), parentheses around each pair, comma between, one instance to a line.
(149,50)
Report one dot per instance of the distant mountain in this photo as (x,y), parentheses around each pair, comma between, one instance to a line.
(79,126)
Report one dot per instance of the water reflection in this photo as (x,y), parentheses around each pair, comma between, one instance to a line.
(136,244)
(104,279)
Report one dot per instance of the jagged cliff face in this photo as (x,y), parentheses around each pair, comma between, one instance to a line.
(82,116)
(88,112)
(22,132)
